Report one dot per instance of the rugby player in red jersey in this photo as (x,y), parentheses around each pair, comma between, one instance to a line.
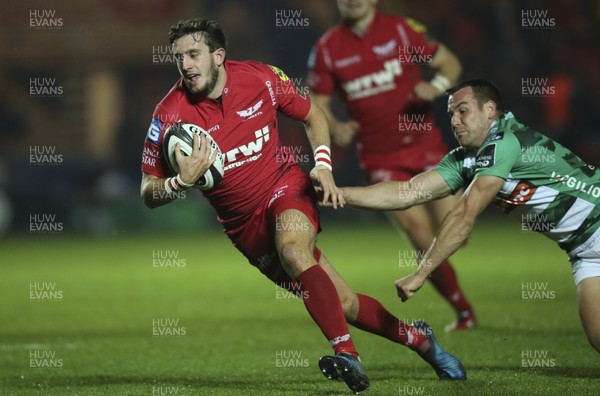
(373,61)
(268,207)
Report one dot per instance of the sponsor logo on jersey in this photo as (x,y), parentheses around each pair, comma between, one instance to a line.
(486,158)
(385,49)
(214,128)
(469,162)
(416,26)
(154,130)
(572,182)
(279,73)
(520,195)
(150,156)
(344,62)
(251,111)
(250,151)
(278,194)
(374,83)
(271,93)
(493,138)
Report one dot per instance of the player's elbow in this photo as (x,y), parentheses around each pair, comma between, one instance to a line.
(449,65)
(457,72)
(401,205)
(148,199)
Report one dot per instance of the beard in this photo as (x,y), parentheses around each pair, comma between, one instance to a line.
(211,82)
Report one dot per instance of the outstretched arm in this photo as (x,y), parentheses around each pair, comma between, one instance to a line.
(425,187)
(453,233)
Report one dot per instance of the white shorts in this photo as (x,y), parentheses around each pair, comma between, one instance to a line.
(585,258)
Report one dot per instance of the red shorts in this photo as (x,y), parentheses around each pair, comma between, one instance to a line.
(256,238)
(404,164)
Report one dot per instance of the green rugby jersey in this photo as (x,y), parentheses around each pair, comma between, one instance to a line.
(547,188)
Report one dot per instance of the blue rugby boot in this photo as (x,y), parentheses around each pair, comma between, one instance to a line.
(345,367)
(446,366)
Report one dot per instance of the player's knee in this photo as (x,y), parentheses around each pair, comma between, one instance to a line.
(291,252)
(592,333)
(296,256)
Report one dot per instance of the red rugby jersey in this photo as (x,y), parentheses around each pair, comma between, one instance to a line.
(375,75)
(244,125)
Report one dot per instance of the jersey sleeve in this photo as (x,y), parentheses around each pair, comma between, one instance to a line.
(418,36)
(450,168)
(290,101)
(498,157)
(320,80)
(153,162)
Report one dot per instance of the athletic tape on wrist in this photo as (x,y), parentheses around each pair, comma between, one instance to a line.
(168,185)
(323,157)
(441,83)
(182,183)
(173,184)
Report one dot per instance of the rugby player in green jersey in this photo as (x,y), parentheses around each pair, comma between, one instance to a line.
(547,187)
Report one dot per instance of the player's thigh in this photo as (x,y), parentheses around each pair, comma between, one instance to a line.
(348,297)
(588,299)
(441,207)
(416,222)
(295,238)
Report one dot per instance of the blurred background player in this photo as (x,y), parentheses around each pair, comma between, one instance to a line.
(268,207)
(373,61)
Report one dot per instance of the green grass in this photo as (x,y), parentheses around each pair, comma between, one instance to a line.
(235,324)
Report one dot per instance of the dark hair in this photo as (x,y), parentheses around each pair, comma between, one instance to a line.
(212,32)
(484,90)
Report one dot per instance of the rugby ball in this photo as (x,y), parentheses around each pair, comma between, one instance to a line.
(183,133)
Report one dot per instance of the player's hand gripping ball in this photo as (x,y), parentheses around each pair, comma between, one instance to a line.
(182,133)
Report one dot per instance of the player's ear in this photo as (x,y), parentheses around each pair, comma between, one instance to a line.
(490,109)
(219,56)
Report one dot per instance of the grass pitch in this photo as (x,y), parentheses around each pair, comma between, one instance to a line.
(105,319)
